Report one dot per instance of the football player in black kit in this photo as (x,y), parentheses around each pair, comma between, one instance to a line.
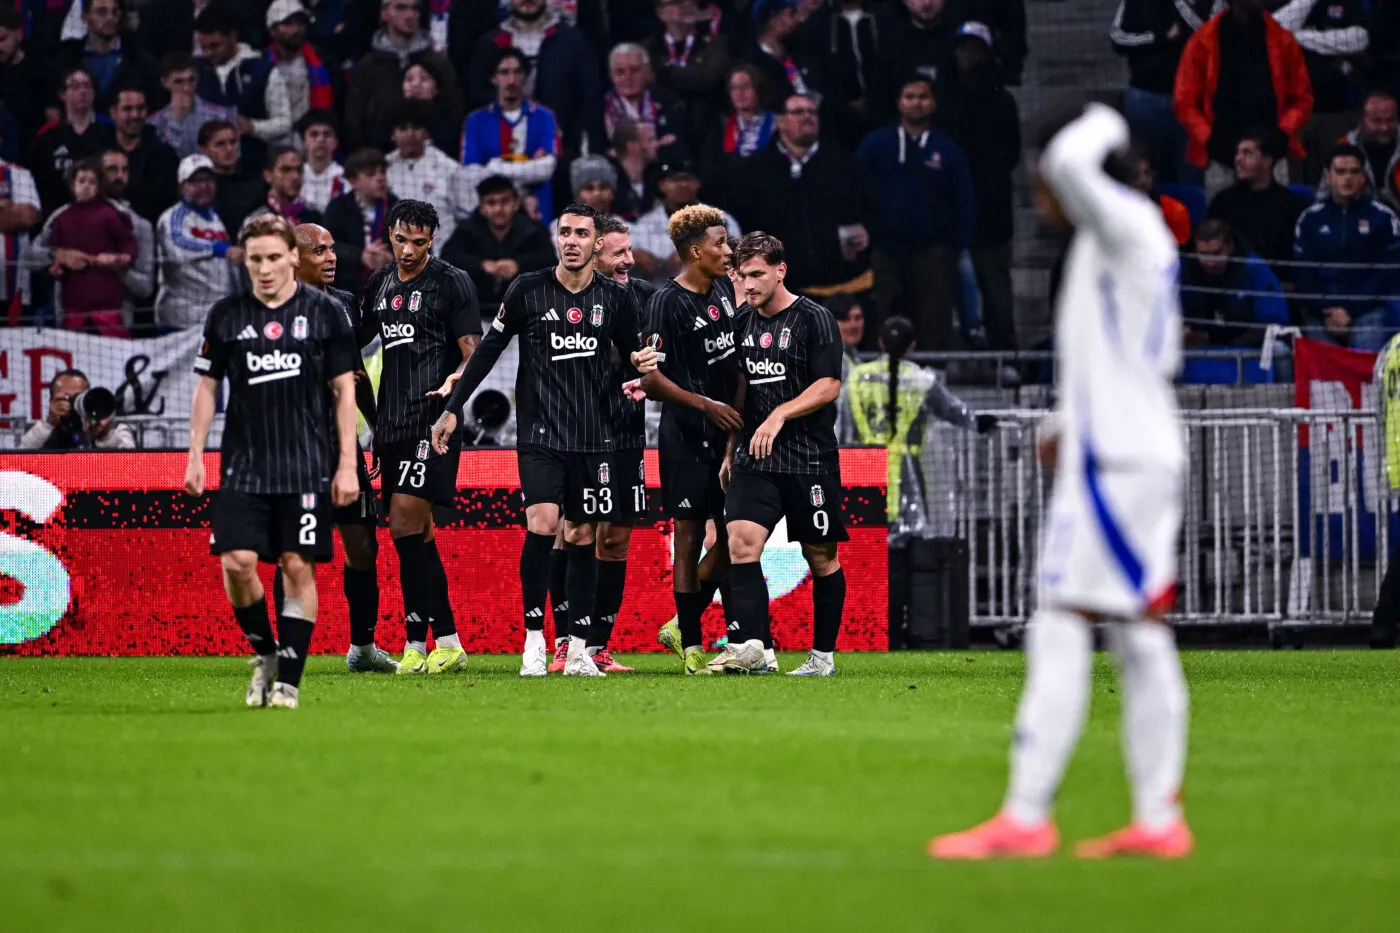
(690,323)
(290,359)
(786,462)
(426,315)
(568,447)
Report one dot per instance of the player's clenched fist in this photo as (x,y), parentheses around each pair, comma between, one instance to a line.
(644,360)
(194,477)
(345,486)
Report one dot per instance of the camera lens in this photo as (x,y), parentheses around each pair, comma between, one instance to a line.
(95,404)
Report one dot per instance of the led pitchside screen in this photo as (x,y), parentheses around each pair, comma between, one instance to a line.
(104,554)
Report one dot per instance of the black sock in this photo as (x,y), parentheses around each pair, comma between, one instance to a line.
(559,604)
(443,620)
(581,588)
(418,596)
(296,642)
(828,604)
(279,593)
(362,595)
(612,583)
(750,602)
(256,626)
(689,608)
(534,578)
(726,599)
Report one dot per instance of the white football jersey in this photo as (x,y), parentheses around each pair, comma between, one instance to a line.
(1118,313)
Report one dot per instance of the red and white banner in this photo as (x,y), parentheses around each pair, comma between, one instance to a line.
(104,554)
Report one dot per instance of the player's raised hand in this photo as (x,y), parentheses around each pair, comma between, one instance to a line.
(722,416)
(633,391)
(194,477)
(442,431)
(345,486)
(644,360)
(761,445)
(444,390)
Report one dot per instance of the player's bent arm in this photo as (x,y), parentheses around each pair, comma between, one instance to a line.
(821,393)
(202,406)
(1072,166)
(346,484)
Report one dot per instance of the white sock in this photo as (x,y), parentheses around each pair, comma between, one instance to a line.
(770,656)
(577,644)
(828,656)
(1054,703)
(594,649)
(1155,712)
(361,651)
(449,641)
(534,640)
(420,646)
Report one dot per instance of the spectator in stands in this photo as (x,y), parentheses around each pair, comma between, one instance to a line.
(178,124)
(77,136)
(226,65)
(750,126)
(655,254)
(323,179)
(849,311)
(634,96)
(357,220)
(377,81)
(282,174)
(1378,138)
(562,75)
(513,136)
(811,196)
(779,54)
(922,37)
(690,63)
(343,29)
(1175,213)
(1334,40)
(498,241)
(1151,35)
(24,84)
(268,113)
(1346,304)
(925,215)
(850,43)
(152,164)
(198,264)
(634,153)
(981,117)
(113,60)
(422,171)
(64,429)
(93,245)
(139,279)
(593,180)
(422,82)
(1237,67)
(1256,206)
(1228,294)
(169,25)
(238,195)
(19,212)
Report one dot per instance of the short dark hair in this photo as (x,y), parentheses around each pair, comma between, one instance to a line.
(1379,94)
(1268,138)
(1346,150)
(495,184)
(68,374)
(90,164)
(624,132)
(579,209)
(419,113)
(510,51)
(208,129)
(841,306)
(177,61)
(413,213)
(918,77)
(321,117)
(805,95)
(121,5)
(217,17)
(11,18)
(75,69)
(276,152)
(611,223)
(759,245)
(126,89)
(364,162)
(1214,228)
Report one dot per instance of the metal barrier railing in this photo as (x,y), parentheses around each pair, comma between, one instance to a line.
(1287,516)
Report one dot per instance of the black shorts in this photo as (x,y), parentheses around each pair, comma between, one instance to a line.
(690,489)
(413,468)
(273,525)
(605,487)
(811,504)
(364,510)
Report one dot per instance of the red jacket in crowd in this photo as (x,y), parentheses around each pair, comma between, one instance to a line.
(1199,73)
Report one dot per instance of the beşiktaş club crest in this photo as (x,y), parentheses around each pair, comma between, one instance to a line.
(308,502)
(299,328)
(728,308)
(785,338)
(415,301)
(818,497)
(422,450)
(603,476)
(597,318)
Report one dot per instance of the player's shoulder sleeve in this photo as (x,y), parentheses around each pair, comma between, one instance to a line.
(460,307)
(214,351)
(823,341)
(510,317)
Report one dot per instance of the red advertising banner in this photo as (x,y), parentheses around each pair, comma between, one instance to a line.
(104,554)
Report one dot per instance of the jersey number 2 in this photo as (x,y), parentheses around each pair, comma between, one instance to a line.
(307,535)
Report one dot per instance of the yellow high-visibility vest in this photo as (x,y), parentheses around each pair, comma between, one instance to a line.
(1387,382)
(868,395)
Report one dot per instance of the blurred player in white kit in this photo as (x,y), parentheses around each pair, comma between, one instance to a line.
(1109,552)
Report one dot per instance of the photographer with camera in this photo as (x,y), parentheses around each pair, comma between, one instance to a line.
(80,418)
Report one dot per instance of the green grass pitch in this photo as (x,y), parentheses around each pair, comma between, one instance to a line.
(139,794)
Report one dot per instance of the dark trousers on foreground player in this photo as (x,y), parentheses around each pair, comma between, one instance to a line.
(756,502)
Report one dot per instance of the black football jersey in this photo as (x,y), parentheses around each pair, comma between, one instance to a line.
(781,357)
(279,436)
(419,323)
(566,369)
(693,335)
(629,418)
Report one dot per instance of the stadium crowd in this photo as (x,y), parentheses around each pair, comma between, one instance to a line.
(878,139)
